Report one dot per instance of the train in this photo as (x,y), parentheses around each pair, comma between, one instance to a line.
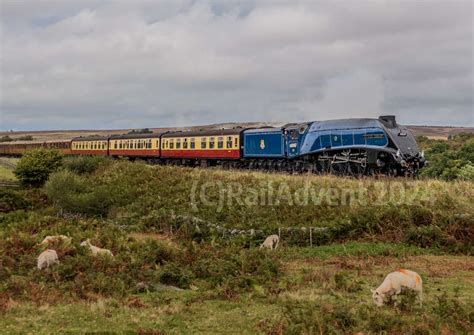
(353,147)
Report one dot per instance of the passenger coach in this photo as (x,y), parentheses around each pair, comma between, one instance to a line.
(205,144)
(90,145)
(135,145)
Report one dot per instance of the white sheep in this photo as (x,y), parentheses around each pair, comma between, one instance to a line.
(271,242)
(394,282)
(56,239)
(96,251)
(47,258)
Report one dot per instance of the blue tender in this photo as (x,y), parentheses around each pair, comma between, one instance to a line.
(264,142)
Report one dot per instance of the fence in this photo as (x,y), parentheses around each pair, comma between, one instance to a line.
(198,228)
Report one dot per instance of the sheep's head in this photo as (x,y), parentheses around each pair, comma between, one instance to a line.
(378,298)
(85,243)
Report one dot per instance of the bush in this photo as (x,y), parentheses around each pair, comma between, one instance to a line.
(173,274)
(449,160)
(425,236)
(36,165)
(75,194)
(84,164)
(25,138)
(11,201)
(6,139)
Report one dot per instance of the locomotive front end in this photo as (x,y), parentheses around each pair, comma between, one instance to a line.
(407,157)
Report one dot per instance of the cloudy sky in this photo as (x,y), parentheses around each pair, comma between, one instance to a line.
(117,64)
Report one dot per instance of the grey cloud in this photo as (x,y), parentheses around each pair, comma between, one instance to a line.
(122,63)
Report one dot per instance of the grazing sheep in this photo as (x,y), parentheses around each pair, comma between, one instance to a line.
(47,258)
(56,239)
(393,284)
(271,242)
(96,251)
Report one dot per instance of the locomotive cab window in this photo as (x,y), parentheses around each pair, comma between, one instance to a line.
(294,134)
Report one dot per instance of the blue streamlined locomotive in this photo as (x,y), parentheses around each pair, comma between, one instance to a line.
(342,147)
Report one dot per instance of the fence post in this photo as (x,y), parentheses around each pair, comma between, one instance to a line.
(310,236)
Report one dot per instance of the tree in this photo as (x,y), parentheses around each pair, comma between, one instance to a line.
(36,165)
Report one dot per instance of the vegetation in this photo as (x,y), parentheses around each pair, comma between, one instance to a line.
(451,159)
(140,131)
(187,256)
(7,138)
(36,165)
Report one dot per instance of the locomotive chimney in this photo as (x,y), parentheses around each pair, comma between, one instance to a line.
(389,119)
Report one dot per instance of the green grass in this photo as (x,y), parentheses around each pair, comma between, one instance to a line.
(6,172)
(359,249)
(311,282)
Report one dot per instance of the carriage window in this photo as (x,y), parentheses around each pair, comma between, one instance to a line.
(236,142)
(171,144)
(185,143)
(157,144)
(220,142)
(203,143)
(229,142)
(192,144)
(149,144)
(115,144)
(120,145)
(178,143)
(211,143)
(103,145)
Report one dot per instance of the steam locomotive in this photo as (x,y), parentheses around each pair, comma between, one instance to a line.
(352,147)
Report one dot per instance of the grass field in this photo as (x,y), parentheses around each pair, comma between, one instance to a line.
(307,280)
(179,266)
(6,168)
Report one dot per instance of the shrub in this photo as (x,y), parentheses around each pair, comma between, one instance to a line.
(75,194)
(25,138)
(425,236)
(12,200)
(6,139)
(84,164)
(176,275)
(36,165)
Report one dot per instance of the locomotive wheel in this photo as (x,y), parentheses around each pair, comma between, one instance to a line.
(339,169)
(356,169)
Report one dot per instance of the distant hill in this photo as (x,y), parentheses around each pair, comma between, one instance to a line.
(434,132)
